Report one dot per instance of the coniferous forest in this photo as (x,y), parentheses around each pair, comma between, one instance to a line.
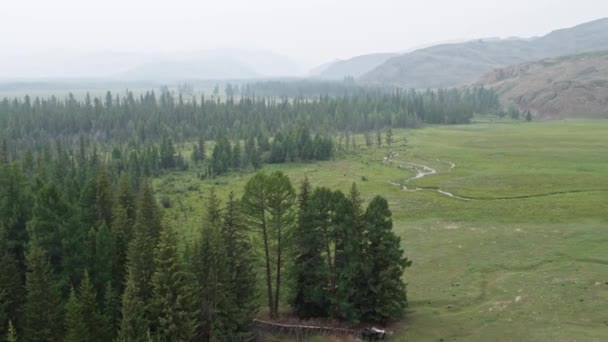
(85,252)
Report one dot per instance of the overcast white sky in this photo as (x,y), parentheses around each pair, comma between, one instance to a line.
(308,31)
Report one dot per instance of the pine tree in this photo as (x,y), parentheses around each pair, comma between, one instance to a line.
(141,249)
(148,214)
(11,332)
(110,313)
(386,298)
(87,301)
(254,205)
(201,149)
(236,156)
(43,312)
(51,214)
(134,325)
(88,204)
(104,198)
(173,293)
(74,320)
(351,266)
(210,266)
(241,280)
(11,292)
(122,230)
(339,237)
(309,270)
(104,252)
(15,212)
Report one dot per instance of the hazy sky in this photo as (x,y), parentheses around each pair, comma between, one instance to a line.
(308,31)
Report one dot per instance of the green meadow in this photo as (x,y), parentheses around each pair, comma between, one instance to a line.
(521,254)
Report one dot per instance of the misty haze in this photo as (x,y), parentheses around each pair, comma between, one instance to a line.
(303,170)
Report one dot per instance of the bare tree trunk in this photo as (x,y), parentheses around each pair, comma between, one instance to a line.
(278,285)
(268,274)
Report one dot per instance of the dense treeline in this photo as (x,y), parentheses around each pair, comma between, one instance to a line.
(85,255)
(310,88)
(149,118)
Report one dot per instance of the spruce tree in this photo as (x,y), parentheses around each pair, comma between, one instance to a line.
(51,214)
(104,252)
(87,301)
(241,280)
(308,270)
(11,291)
(134,325)
(122,229)
(386,297)
(210,268)
(88,204)
(11,332)
(15,211)
(74,320)
(173,304)
(351,264)
(43,312)
(110,313)
(104,198)
(141,249)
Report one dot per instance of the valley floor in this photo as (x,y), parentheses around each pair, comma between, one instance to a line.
(519,252)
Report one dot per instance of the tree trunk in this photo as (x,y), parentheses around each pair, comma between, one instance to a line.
(278,285)
(268,274)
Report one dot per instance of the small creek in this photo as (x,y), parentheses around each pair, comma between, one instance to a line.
(421,172)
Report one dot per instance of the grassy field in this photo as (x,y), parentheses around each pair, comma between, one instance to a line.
(526,259)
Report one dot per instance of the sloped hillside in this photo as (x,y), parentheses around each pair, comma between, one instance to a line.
(572,86)
(452,65)
(354,67)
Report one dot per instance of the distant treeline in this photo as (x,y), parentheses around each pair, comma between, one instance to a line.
(311,88)
(128,119)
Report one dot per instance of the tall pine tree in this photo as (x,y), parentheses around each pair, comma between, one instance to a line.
(210,268)
(386,297)
(241,281)
(309,270)
(173,300)
(43,314)
(134,326)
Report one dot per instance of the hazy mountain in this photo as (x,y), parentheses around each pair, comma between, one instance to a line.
(58,65)
(450,65)
(354,67)
(203,68)
(220,63)
(571,86)
(319,69)
(262,63)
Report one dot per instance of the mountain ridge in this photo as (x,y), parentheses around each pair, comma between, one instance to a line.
(450,65)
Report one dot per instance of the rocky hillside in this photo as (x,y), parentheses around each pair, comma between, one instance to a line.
(573,86)
(451,65)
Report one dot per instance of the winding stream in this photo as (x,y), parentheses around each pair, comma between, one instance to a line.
(424,170)
(421,172)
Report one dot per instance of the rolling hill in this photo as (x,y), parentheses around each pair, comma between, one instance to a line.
(571,86)
(354,67)
(450,65)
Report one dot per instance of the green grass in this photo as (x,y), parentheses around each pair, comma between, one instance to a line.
(490,269)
